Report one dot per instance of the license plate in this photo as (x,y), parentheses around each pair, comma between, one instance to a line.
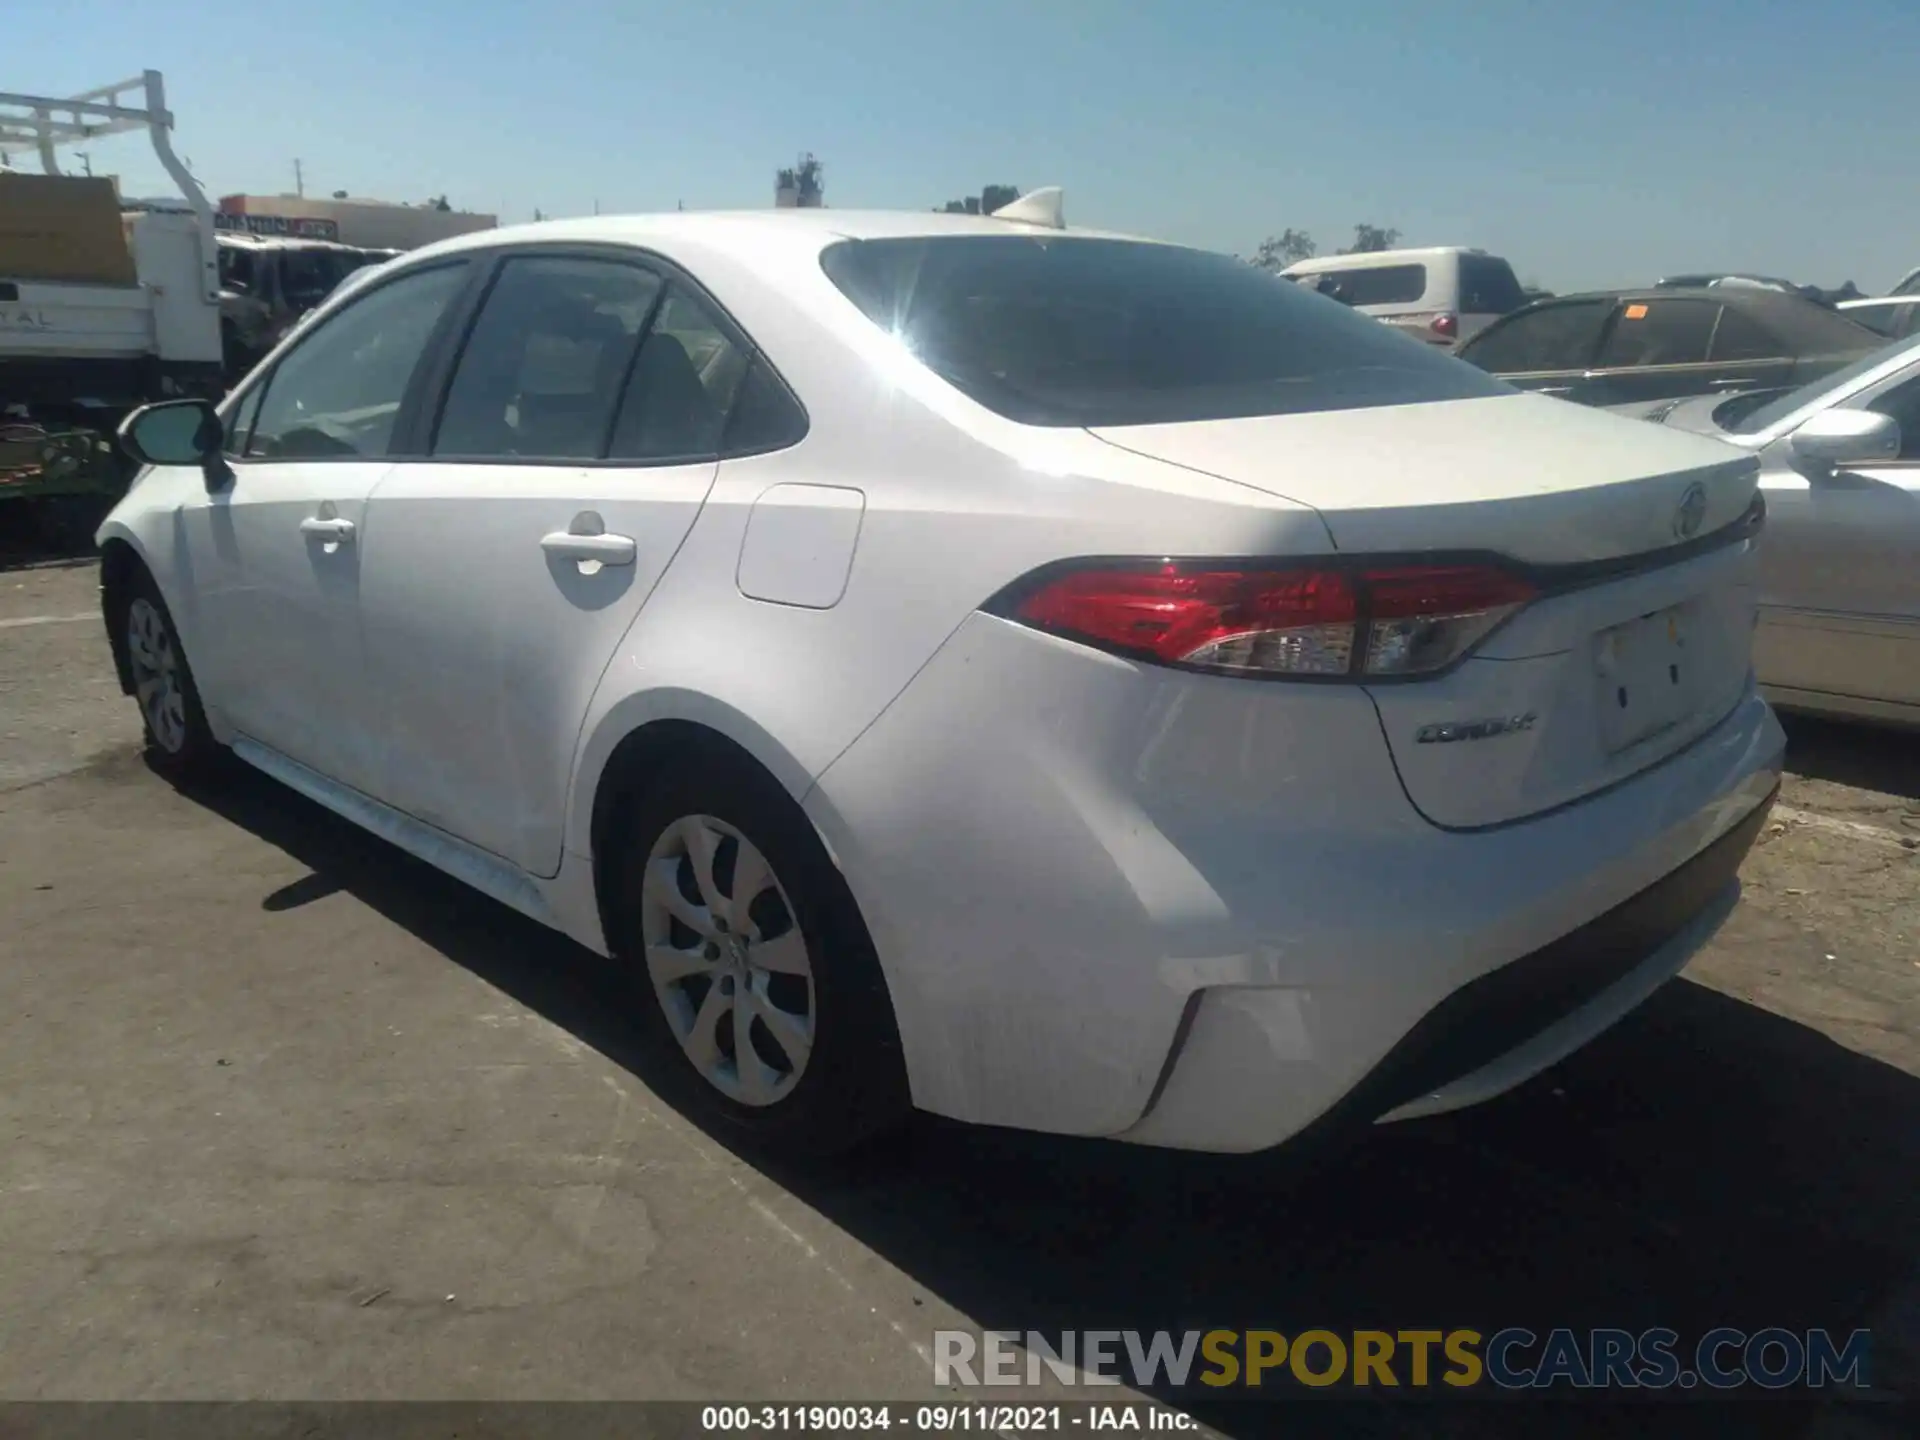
(1644,677)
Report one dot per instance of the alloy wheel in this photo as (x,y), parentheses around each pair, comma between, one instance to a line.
(156,675)
(727,960)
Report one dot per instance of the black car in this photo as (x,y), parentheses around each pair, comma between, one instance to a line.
(1625,346)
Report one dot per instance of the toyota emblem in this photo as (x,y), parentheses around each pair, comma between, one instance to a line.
(1692,511)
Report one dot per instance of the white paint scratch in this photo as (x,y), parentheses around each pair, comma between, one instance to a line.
(1853,829)
(24,620)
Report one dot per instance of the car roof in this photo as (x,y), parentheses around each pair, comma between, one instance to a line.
(1368,258)
(744,232)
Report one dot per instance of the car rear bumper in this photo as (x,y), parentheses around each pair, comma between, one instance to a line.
(1505,1027)
(1195,912)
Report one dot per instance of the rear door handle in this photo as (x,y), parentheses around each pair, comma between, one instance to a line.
(1729,384)
(332,528)
(607,549)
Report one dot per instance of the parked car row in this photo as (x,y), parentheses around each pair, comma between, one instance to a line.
(1840,562)
(1803,378)
(1443,294)
(1619,347)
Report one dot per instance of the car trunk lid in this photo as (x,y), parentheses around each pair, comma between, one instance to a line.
(1640,641)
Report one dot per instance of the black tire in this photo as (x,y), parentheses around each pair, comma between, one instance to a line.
(179,742)
(853,1087)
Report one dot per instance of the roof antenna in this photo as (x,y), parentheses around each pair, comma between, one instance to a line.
(1036,207)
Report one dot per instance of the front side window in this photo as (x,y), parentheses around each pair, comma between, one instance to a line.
(239,422)
(1071,331)
(306,277)
(1659,332)
(1902,403)
(1553,337)
(543,370)
(337,393)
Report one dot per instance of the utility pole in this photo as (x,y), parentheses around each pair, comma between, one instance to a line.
(299,180)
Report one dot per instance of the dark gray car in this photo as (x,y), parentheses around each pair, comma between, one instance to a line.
(1622,347)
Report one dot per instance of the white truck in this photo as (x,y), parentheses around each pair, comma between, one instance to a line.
(100,311)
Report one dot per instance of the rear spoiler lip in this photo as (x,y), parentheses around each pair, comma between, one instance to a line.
(1547,580)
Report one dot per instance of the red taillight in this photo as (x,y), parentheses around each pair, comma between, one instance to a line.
(1328,623)
(1446,324)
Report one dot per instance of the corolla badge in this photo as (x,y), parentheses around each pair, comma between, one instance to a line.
(1691,512)
(1450,731)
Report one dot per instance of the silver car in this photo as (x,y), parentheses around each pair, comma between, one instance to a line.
(1840,558)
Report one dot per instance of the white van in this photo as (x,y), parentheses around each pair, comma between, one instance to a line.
(1443,294)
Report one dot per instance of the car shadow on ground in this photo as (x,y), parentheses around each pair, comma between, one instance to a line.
(1872,757)
(1706,1163)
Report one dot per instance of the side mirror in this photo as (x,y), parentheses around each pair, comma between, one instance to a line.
(173,432)
(1847,437)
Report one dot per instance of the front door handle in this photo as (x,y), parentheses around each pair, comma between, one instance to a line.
(331,528)
(607,549)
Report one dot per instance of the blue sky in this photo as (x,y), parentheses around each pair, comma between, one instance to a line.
(1591,144)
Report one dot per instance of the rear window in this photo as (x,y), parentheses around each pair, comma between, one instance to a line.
(1071,331)
(1376,285)
(1488,286)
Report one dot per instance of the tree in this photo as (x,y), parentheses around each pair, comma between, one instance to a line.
(1276,252)
(1368,238)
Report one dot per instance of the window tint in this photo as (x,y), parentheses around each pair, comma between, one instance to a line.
(1741,337)
(682,387)
(1554,337)
(1903,404)
(338,392)
(1378,285)
(1788,404)
(307,275)
(239,422)
(1067,331)
(236,268)
(1659,332)
(764,416)
(1488,286)
(543,368)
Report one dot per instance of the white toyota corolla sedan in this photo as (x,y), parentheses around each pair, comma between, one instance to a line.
(1047,678)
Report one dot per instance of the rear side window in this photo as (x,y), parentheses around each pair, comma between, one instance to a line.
(546,361)
(1069,331)
(765,415)
(683,385)
(1741,337)
(1376,285)
(1553,337)
(1659,332)
(1488,286)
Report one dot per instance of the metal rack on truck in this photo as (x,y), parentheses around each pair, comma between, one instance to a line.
(100,312)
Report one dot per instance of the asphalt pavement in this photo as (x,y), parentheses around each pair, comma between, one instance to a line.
(286,1114)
